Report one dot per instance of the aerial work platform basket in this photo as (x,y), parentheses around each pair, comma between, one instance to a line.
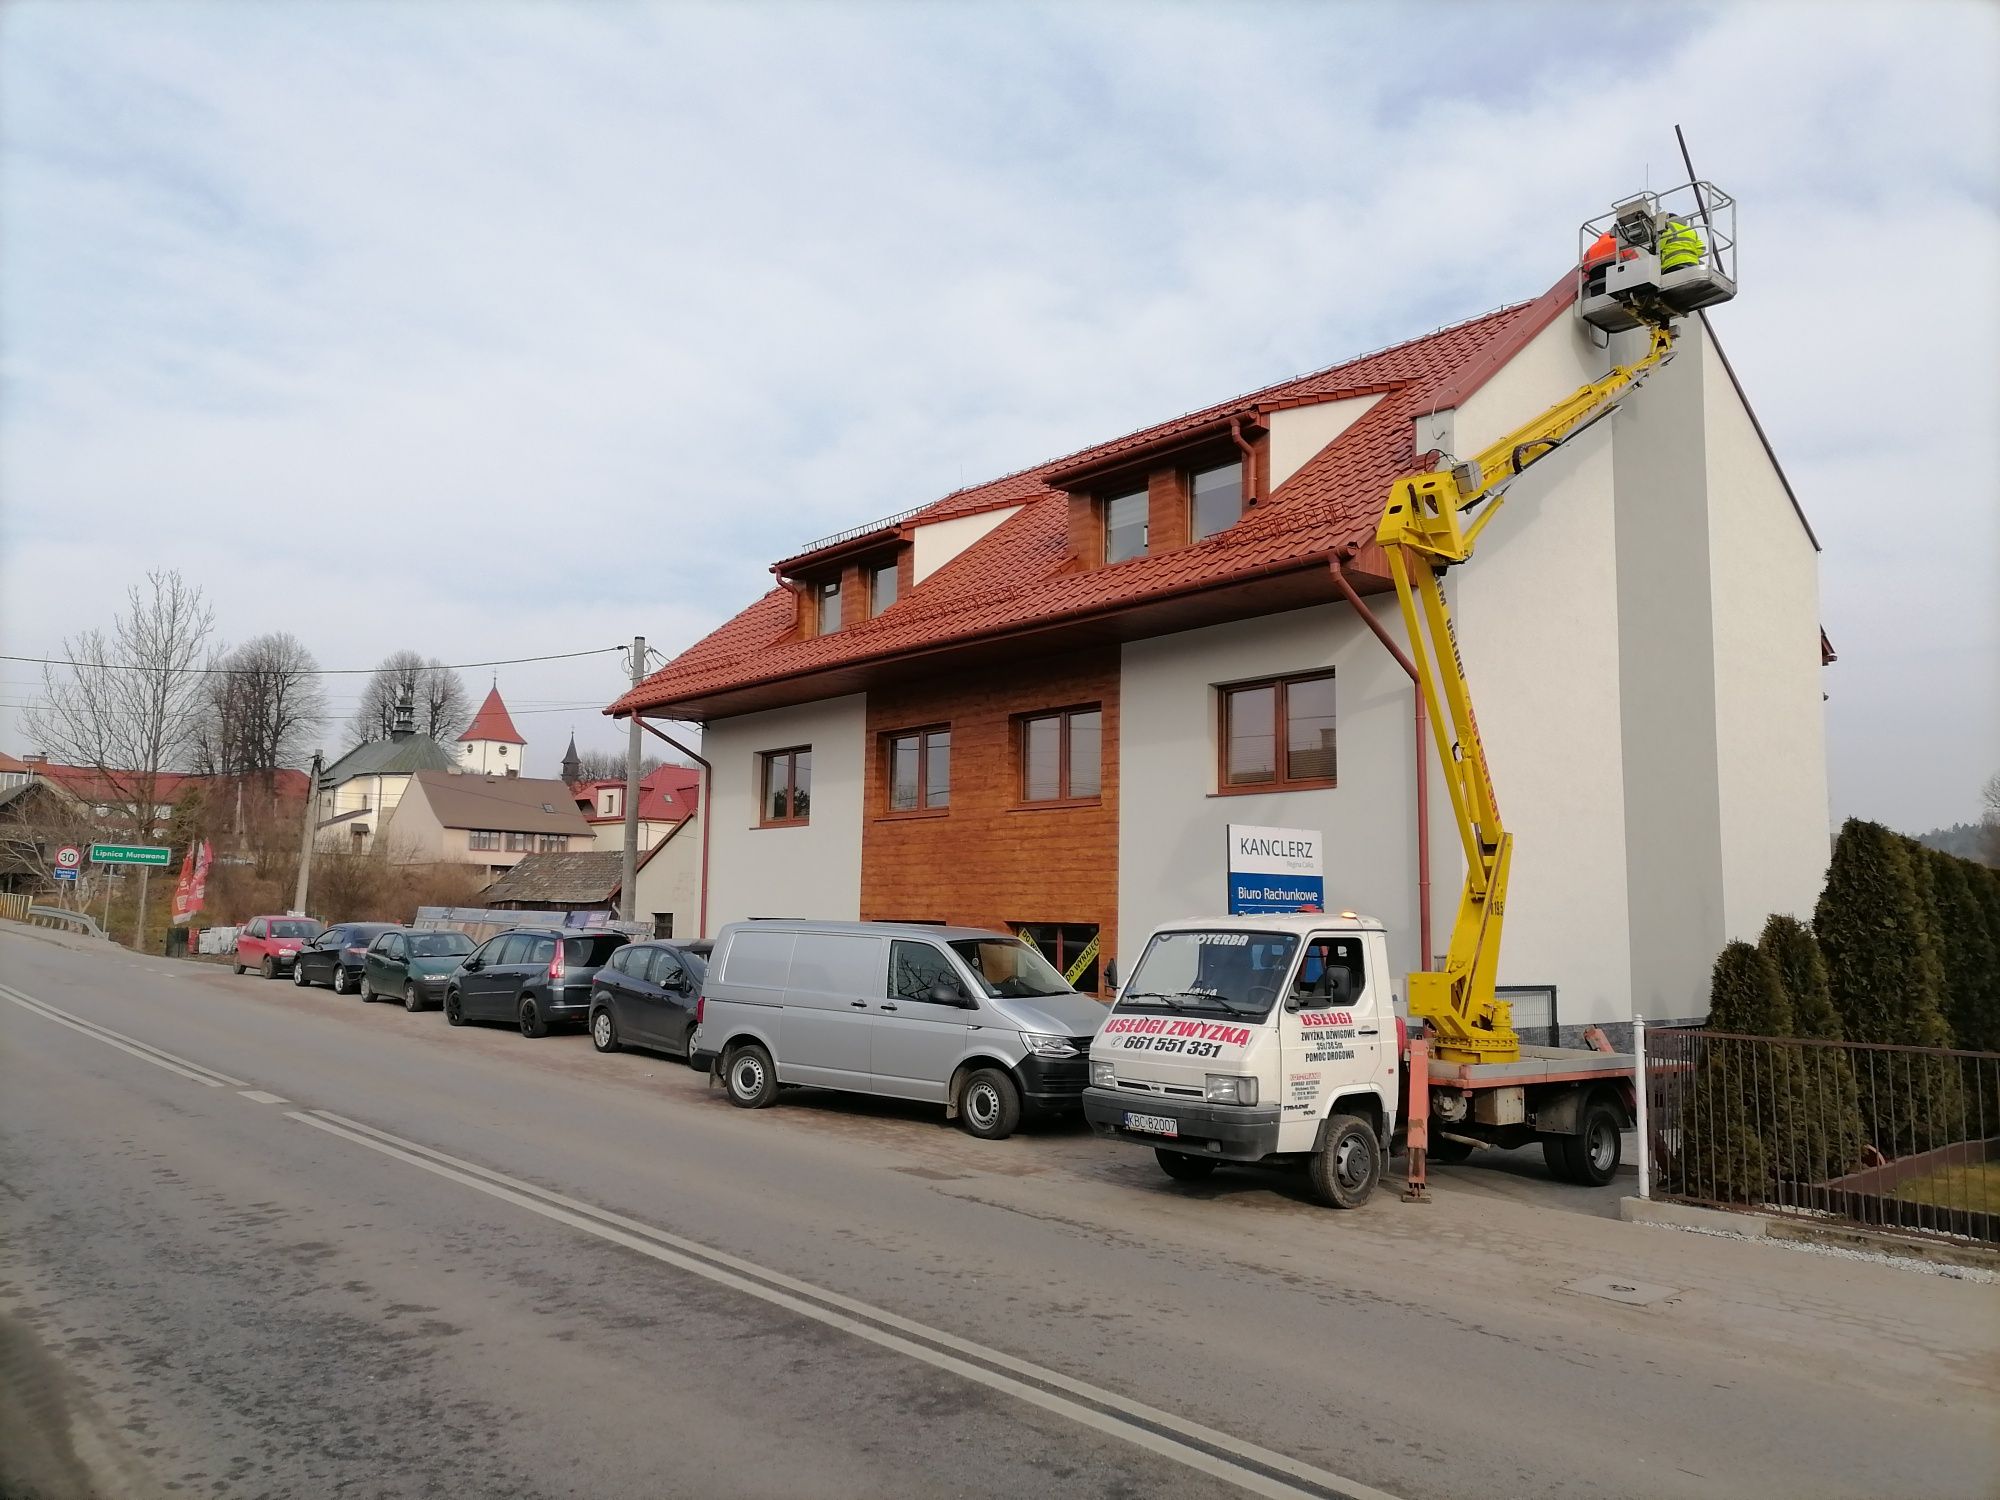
(1658,254)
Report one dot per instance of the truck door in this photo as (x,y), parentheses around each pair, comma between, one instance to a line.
(1335,1035)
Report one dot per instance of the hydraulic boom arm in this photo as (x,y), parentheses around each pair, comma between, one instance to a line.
(1428,527)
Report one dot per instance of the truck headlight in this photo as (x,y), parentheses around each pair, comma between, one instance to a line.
(1229,1088)
(1103,1076)
(1048,1046)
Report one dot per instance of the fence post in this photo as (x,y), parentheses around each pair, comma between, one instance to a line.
(1639,1108)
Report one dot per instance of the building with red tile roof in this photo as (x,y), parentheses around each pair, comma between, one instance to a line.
(491,745)
(1042,703)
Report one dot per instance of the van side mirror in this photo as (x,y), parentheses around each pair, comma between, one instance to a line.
(946,994)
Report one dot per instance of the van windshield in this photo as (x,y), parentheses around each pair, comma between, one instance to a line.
(1234,973)
(1010,971)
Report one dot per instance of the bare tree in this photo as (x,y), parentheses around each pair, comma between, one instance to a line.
(442,703)
(129,704)
(266,706)
(609,765)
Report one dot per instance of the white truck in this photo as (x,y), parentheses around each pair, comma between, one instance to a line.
(1277,1038)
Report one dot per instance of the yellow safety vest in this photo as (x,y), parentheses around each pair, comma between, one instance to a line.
(1680,247)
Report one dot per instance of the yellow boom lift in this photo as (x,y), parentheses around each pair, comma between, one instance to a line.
(1649,262)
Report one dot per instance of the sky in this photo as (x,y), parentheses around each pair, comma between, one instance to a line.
(496,330)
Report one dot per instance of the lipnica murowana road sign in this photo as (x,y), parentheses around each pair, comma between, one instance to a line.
(130,854)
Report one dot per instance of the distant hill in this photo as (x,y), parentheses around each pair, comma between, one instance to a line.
(1966,840)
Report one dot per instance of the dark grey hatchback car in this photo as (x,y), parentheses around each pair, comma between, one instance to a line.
(645,997)
(535,977)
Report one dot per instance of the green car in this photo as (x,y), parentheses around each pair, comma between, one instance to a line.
(413,965)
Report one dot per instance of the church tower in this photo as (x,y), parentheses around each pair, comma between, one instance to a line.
(572,764)
(491,745)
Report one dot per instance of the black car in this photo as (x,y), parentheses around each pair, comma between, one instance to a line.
(334,957)
(536,977)
(644,997)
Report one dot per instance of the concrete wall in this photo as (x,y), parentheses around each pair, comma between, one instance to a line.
(1770,726)
(1172,859)
(809,871)
(1299,432)
(937,544)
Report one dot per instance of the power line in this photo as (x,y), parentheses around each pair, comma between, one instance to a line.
(460,666)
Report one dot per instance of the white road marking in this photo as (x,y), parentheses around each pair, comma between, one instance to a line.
(1131,1421)
(258,1096)
(144,1051)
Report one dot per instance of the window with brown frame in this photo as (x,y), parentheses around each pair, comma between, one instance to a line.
(1278,733)
(1215,499)
(787,786)
(826,605)
(520,843)
(483,838)
(882,582)
(917,769)
(1125,518)
(1062,755)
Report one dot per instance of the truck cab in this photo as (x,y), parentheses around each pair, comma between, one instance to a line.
(1253,1038)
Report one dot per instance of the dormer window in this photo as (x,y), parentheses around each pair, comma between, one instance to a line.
(1216,498)
(1125,518)
(826,599)
(882,581)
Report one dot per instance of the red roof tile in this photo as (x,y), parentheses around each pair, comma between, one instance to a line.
(94,786)
(666,795)
(1016,576)
(492,723)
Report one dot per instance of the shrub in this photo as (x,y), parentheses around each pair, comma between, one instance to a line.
(1827,1140)
(1967,946)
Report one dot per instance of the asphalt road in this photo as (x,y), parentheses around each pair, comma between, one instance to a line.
(324,1248)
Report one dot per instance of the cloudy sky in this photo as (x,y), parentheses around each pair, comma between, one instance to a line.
(497,330)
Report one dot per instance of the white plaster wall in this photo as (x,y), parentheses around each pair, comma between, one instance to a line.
(937,544)
(811,871)
(1770,725)
(671,882)
(1172,859)
(490,758)
(1299,432)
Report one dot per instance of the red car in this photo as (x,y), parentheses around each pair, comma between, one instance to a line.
(271,944)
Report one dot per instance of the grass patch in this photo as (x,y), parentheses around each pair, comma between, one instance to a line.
(1974,1186)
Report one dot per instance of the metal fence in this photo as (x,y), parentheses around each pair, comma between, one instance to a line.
(1903,1139)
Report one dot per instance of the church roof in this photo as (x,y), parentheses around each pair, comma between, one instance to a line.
(492,723)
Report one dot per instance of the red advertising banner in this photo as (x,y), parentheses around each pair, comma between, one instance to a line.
(193,885)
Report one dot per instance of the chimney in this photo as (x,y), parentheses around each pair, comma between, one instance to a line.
(406,718)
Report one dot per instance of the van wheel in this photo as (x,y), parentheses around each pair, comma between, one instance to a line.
(1590,1157)
(532,1024)
(748,1077)
(1182,1167)
(1345,1173)
(989,1106)
(603,1032)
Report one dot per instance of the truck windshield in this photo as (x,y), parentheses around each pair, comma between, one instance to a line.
(1234,973)
(1010,971)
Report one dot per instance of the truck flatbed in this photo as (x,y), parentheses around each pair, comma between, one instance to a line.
(1536,1065)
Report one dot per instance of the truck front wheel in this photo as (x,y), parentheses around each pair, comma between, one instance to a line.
(1345,1173)
(1590,1157)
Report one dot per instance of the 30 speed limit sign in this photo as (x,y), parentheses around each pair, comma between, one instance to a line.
(68,857)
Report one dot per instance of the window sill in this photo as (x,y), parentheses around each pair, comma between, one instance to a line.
(783,823)
(1056,804)
(915,814)
(1266,787)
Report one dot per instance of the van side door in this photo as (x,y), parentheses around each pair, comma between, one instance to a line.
(1332,1035)
(919,1034)
(836,981)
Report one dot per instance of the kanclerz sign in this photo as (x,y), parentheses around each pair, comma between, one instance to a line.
(129,854)
(1275,869)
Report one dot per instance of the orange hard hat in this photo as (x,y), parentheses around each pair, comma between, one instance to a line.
(1603,248)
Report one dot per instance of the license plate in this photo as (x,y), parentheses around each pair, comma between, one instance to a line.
(1152,1124)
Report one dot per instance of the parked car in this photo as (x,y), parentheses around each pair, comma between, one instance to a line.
(413,965)
(976,1021)
(270,944)
(334,957)
(536,977)
(644,997)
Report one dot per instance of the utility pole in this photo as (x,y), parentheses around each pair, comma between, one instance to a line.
(306,839)
(139,933)
(628,898)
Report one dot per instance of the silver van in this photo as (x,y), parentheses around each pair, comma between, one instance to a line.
(976,1021)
